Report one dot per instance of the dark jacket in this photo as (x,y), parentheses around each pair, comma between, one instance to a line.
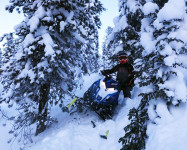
(125,74)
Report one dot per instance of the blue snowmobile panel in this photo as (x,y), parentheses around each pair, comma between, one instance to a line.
(110,83)
(103,92)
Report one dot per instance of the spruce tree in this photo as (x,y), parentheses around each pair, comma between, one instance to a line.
(107,54)
(46,60)
(160,66)
(166,64)
(127,25)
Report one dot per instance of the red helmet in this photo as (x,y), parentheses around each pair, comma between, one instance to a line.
(123,57)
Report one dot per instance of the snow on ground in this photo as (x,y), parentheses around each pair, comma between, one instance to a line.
(170,132)
(76,132)
(5,127)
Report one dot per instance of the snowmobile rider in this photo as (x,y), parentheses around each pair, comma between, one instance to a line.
(125,74)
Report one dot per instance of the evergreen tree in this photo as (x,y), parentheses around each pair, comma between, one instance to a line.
(107,54)
(165,64)
(160,66)
(127,26)
(54,40)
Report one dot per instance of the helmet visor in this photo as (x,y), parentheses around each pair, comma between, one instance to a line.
(123,59)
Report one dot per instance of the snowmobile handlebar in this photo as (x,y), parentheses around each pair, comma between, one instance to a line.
(105,74)
(108,76)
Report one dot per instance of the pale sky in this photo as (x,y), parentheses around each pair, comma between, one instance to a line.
(9,20)
(107,18)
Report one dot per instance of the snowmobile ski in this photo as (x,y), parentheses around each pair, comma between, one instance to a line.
(103,115)
(105,136)
(72,102)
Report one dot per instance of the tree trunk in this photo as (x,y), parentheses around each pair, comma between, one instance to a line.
(42,109)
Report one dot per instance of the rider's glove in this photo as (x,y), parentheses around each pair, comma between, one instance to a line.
(103,72)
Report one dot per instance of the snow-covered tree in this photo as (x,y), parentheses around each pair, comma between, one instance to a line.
(170,47)
(161,64)
(107,54)
(127,25)
(58,41)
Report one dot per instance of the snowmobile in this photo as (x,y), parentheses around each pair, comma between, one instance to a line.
(102,97)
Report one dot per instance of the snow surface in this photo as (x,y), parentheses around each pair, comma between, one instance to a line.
(172,10)
(76,132)
(146,38)
(149,8)
(169,132)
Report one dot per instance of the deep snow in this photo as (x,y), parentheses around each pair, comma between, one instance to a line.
(76,132)
(169,132)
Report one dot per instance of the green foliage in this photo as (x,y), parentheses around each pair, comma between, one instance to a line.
(160,3)
(135,132)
